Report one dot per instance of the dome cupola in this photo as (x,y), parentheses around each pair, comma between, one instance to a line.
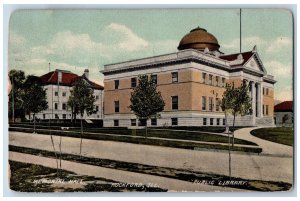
(199,39)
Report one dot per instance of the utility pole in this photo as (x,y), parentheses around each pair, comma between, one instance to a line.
(240,30)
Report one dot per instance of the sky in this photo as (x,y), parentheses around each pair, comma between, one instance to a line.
(78,39)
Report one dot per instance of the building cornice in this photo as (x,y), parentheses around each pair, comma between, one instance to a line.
(185,56)
(269,79)
(181,57)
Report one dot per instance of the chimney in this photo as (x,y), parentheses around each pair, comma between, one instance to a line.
(59,76)
(86,73)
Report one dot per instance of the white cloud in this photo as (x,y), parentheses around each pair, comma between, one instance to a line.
(278,69)
(248,41)
(270,45)
(129,41)
(16,40)
(279,44)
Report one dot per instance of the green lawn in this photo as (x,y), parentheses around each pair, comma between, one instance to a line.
(282,135)
(171,134)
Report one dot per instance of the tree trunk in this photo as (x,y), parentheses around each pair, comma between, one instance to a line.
(33,122)
(52,142)
(226,124)
(229,156)
(146,130)
(233,129)
(81,134)
(60,154)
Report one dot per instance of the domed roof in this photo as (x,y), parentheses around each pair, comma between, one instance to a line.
(199,39)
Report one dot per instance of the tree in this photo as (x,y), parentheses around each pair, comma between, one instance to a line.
(16,78)
(73,106)
(34,97)
(235,101)
(146,101)
(241,104)
(226,104)
(82,100)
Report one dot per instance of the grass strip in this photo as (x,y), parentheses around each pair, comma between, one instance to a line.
(148,141)
(281,135)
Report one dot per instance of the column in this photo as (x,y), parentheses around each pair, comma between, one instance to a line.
(253,97)
(259,100)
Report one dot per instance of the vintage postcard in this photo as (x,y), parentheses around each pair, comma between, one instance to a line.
(151,100)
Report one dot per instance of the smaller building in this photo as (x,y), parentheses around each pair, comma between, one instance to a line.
(58,85)
(284,114)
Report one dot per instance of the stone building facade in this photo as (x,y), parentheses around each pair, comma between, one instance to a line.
(192,82)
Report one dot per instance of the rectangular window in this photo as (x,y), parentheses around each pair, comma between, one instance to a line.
(211,104)
(133,122)
(267,110)
(223,121)
(223,82)
(97,108)
(117,106)
(204,121)
(55,106)
(142,122)
(97,97)
(133,82)
(203,102)
(218,122)
(44,116)
(64,93)
(210,80)
(175,77)
(153,122)
(174,121)
(263,109)
(154,78)
(56,116)
(263,91)
(217,104)
(203,77)
(64,116)
(64,106)
(116,122)
(267,91)
(211,121)
(174,102)
(217,81)
(56,93)
(117,82)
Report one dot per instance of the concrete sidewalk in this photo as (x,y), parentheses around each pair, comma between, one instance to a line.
(272,168)
(119,175)
(268,147)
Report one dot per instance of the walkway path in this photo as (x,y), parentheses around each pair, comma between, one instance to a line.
(118,175)
(272,168)
(268,147)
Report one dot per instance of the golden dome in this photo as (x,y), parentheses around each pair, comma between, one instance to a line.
(199,39)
